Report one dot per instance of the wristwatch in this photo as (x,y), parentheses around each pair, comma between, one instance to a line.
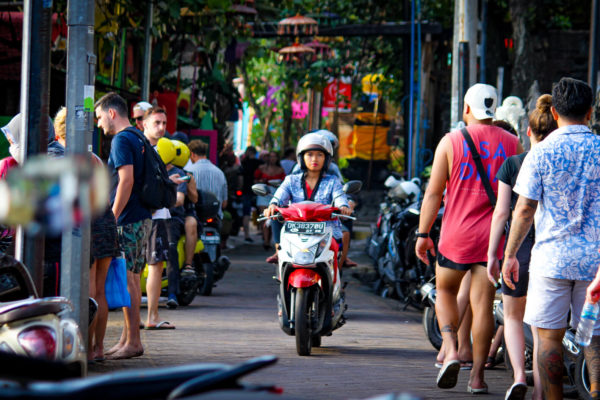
(421,235)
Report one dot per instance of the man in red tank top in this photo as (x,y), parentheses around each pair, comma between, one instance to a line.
(465,229)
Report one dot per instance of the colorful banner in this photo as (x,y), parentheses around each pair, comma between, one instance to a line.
(330,94)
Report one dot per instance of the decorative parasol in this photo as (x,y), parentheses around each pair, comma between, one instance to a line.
(321,49)
(298,25)
(295,52)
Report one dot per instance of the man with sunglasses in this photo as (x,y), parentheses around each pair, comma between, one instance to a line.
(138,114)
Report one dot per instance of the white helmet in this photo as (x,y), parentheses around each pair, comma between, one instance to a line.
(314,141)
(335,143)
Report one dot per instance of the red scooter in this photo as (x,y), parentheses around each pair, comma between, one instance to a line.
(311,300)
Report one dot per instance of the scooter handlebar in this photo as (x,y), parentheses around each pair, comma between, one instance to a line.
(343,216)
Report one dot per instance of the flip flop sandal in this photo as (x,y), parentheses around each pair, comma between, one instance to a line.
(160,326)
(516,392)
(482,390)
(466,365)
(448,375)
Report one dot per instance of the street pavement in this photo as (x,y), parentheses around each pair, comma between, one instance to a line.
(381,349)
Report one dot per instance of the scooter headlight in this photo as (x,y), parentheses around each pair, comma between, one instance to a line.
(304,257)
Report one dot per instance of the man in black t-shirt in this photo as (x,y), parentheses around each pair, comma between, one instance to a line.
(249,165)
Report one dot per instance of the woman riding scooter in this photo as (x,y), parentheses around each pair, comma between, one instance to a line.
(314,153)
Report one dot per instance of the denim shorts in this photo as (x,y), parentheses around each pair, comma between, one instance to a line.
(104,238)
(133,239)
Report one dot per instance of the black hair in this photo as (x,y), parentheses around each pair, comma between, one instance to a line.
(288,152)
(114,101)
(500,123)
(572,98)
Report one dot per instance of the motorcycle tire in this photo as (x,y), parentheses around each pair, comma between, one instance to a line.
(207,283)
(582,380)
(188,286)
(432,329)
(316,341)
(303,323)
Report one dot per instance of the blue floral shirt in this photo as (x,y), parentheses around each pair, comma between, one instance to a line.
(563,174)
(291,191)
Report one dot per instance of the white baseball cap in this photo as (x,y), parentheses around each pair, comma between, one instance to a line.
(142,105)
(482,100)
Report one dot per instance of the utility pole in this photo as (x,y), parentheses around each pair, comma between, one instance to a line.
(593,52)
(148,53)
(35,88)
(81,70)
(464,55)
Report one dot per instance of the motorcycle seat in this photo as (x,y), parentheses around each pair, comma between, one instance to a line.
(28,308)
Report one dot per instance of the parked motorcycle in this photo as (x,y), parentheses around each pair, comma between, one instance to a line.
(25,378)
(311,301)
(214,264)
(400,195)
(36,327)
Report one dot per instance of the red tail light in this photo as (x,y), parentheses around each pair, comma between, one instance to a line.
(238,193)
(379,222)
(209,220)
(39,342)
(210,234)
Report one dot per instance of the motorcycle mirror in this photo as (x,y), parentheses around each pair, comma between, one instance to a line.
(260,189)
(274,182)
(352,187)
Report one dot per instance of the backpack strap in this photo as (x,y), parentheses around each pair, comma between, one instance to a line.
(480,169)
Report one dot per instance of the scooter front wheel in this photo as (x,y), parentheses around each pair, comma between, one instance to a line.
(303,324)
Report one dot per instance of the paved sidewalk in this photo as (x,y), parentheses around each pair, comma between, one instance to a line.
(381,349)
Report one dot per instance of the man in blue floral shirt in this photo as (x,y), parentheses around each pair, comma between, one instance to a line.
(559,183)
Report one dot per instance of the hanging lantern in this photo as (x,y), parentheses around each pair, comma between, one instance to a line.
(295,53)
(298,25)
(321,49)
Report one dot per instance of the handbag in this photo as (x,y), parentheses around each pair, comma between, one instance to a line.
(117,295)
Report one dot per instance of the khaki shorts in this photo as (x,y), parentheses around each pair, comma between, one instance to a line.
(133,239)
(549,301)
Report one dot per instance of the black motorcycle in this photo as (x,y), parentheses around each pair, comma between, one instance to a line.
(213,264)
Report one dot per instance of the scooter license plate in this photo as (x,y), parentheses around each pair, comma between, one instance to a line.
(306,228)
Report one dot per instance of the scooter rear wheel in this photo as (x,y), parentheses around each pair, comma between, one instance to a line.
(302,324)
(206,284)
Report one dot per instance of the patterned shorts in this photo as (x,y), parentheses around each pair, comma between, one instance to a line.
(158,242)
(133,239)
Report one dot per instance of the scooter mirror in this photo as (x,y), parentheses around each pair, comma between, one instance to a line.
(352,187)
(260,189)
(274,182)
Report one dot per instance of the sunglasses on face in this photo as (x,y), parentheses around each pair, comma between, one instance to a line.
(140,118)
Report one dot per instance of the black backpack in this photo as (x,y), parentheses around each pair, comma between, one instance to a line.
(156,190)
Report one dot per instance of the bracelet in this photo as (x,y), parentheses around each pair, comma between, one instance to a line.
(422,235)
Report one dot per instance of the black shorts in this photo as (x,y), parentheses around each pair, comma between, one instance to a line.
(446,263)
(523,255)
(104,238)
(158,242)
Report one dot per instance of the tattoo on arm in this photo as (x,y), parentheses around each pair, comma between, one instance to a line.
(521,223)
(592,358)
